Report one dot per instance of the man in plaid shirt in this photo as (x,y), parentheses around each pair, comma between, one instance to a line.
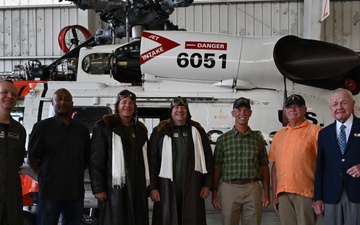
(241,162)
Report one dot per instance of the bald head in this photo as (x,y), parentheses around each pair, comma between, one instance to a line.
(62,102)
(8,93)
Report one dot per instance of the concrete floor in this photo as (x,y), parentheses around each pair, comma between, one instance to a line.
(268,218)
(213,217)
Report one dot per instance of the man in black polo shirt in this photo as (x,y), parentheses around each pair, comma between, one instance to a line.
(58,152)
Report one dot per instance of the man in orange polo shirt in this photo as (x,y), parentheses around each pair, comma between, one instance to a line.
(293,153)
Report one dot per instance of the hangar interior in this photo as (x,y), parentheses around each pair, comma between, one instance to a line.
(29,29)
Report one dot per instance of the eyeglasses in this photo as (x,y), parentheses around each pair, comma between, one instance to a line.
(125,94)
(179,101)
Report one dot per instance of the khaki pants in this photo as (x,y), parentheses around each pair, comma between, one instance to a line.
(241,202)
(296,210)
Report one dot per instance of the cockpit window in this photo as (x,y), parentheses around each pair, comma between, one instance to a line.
(88,115)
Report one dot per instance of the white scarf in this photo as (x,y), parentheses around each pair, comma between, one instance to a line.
(166,168)
(118,164)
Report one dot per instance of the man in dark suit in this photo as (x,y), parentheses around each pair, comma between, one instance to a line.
(337,178)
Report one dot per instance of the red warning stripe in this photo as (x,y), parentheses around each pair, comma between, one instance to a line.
(23,87)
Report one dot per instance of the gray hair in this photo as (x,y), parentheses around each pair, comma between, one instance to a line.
(342,90)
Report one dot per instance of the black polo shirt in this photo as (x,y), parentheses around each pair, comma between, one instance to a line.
(63,153)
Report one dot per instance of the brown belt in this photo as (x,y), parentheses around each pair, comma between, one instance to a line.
(246,181)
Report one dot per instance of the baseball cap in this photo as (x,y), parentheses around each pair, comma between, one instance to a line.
(242,101)
(295,99)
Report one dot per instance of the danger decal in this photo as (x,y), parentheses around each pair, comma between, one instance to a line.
(205,45)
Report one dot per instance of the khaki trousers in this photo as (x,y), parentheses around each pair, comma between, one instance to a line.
(296,210)
(241,202)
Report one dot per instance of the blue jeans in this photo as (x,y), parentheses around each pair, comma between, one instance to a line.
(49,212)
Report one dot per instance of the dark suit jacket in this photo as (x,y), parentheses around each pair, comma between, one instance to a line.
(331,166)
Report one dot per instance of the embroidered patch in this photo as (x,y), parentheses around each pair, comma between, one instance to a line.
(13,136)
(357,134)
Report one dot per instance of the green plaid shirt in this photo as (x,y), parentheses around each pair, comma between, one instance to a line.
(240,156)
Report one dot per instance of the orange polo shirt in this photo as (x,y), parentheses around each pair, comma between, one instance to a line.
(294,151)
